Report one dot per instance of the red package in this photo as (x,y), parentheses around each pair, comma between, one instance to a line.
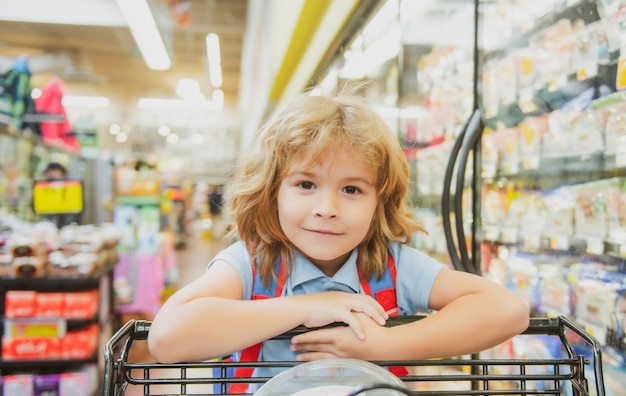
(31,348)
(20,303)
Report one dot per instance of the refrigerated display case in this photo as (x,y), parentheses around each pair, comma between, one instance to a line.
(552,175)
(512,117)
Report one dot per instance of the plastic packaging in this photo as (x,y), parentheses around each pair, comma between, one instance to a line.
(330,377)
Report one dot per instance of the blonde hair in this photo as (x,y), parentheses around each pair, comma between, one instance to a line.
(315,126)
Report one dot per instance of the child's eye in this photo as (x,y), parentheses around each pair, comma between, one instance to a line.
(351,190)
(306,185)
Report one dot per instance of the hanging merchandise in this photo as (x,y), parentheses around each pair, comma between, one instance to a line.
(15,98)
(55,127)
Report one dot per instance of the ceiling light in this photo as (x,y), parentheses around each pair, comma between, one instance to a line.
(172,138)
(213,48)
(85,101)
(121,137)
(114,129)
(218,97)
(178,104)
(188,88)
(146,34)
(164,130)
(215,74)
(215,59)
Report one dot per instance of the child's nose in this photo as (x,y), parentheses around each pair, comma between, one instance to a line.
(327,205)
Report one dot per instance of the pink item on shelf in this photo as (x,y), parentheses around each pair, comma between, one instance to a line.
(146,273)
(18,384)
(73,384)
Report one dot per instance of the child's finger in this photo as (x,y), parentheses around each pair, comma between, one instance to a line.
(355,325)
(374,311)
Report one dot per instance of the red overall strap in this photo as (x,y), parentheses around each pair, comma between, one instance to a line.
(251,353)
(387,298)
(384,289)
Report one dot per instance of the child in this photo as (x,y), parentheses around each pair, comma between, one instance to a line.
(321,201)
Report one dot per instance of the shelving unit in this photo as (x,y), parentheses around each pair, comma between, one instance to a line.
(101,281)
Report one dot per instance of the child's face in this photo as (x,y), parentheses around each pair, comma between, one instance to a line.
(326,210)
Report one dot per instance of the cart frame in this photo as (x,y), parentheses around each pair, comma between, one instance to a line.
(562,376)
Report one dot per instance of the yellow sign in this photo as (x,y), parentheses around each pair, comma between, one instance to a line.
(58,196)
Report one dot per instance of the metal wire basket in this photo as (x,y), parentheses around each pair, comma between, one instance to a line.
(578,372)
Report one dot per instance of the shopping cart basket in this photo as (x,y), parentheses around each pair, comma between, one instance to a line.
(577,372)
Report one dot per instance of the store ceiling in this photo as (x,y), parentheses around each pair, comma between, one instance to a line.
(88,44)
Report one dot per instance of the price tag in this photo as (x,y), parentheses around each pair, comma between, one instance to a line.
(34,327)
(532,242)
(595,246)
(531,163)
(559,242)
(556,83)
(510,167)
(58,196)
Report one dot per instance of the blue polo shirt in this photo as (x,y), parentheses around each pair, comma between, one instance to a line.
(415,275)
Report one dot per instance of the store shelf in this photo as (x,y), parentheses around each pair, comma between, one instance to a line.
(51,365)
(64,282)
(96,325)
(585,10)
(557,166)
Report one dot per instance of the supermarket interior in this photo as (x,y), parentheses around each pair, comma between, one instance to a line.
(510,114)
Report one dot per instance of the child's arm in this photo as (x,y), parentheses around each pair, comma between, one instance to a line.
(208,317)
(474,314)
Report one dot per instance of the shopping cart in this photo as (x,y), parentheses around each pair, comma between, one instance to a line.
(577,372)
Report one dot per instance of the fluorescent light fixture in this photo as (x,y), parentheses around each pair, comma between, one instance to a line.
(215,59)
(188,88)
(85,101)
(212,48)
(218,97)
(146,34)
(178,104)
(215,74)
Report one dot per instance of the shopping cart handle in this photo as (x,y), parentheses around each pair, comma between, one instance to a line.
(392,321)
(548,326)
(141,329)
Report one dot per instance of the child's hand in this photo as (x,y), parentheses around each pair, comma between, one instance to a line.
(337,342)
(329,307)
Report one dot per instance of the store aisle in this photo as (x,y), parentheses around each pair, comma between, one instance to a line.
(192,260)
(199,250)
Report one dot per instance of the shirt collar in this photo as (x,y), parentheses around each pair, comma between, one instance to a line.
(304,271)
